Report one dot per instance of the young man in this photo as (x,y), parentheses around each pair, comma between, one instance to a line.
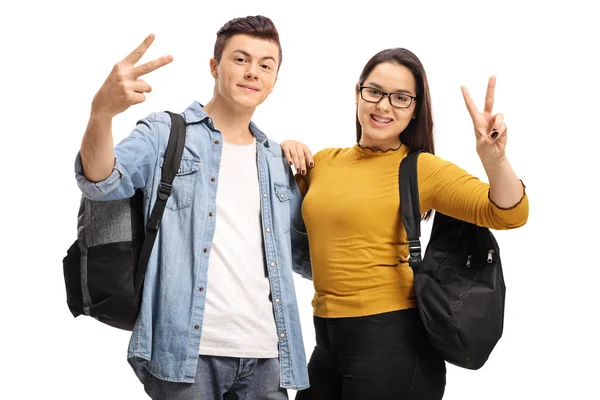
(219,316)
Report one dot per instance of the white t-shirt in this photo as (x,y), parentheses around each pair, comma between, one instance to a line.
(238,317)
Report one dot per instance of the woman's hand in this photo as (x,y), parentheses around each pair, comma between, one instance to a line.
(298,154)
(490,129)
(506,190)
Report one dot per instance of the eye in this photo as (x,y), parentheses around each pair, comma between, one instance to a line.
(374,92)
(265,66)
(401,97)
(240,59)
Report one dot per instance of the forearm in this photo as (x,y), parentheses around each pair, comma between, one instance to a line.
(506,190)
(97,148)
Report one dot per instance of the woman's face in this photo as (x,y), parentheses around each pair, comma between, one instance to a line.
(381,122)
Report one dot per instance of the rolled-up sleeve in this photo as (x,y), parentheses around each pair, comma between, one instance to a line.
(135,160)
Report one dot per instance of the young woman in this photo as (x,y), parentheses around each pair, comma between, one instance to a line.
(370,342)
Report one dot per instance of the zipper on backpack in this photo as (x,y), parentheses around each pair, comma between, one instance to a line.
(489,258)
(469,261)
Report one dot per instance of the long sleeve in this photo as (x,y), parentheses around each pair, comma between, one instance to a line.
(449,189)
(135,160)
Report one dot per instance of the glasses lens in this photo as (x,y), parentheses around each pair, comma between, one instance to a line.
(400,100)
(371,94)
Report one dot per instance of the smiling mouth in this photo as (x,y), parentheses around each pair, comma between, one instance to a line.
(249,88)
(381,120)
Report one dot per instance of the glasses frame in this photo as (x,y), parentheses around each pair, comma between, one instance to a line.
(384,94)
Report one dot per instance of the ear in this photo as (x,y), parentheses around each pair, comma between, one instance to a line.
(356,94)
(213,68)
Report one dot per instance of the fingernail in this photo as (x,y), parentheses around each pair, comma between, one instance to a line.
(311,164)
(303,172)
(290,162)
(494,134)
(298,169)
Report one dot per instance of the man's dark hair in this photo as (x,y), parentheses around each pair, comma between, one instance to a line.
(256,26)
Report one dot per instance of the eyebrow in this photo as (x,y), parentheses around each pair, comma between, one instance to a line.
(249,56)
(371,83)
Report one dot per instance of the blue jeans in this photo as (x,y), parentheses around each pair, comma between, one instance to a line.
(224,378)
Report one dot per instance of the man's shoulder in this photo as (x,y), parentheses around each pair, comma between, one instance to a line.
(274,148)
(192,114)
(160,117)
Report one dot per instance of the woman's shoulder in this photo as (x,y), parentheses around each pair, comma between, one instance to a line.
(329,153)
(430,160)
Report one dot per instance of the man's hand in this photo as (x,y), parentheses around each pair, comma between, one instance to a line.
(123,87)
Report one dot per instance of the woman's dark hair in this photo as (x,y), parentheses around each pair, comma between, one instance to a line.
(419,132)
(256,26)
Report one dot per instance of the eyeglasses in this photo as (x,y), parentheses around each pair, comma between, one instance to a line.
(373,95)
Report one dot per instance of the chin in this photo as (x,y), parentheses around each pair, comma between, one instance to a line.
(247,102)
(380,136)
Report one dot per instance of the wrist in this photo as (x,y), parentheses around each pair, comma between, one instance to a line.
(100,116)
(496,167)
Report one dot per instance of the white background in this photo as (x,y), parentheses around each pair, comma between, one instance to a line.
(56,54)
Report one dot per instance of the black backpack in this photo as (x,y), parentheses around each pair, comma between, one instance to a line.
(459,282)
(104,268)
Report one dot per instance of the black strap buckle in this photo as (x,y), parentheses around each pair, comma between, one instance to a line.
(164,190)
(414,249)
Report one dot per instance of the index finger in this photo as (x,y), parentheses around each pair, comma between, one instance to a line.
(471,107)
(489,95)
(135,55)
(152,65)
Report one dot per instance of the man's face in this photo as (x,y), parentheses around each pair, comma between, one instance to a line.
(247,71)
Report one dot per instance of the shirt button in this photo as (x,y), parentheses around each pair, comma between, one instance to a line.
(276,300)
(196,327)
(268,229)
(265,195)
(282,196)
(217,142)
(205,250)
(210,121)
(272,264)
(201,289)
(212,179)
(282,336)
(210,214)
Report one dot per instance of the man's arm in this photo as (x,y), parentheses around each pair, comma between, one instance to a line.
(122,89)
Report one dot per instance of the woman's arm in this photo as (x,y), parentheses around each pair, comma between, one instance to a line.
(506,190)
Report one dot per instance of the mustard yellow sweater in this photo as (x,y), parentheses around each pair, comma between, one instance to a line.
(358,245)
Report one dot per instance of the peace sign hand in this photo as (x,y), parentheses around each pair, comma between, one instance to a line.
(490,130)
(123,87)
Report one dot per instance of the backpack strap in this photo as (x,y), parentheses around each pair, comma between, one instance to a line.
(409,206)
(169,171)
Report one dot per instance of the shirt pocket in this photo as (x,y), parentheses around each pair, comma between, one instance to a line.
(184,183)
(283,193)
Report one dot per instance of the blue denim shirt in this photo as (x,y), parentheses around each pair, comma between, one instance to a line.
(166,337)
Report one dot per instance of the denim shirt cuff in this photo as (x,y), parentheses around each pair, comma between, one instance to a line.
(94,190)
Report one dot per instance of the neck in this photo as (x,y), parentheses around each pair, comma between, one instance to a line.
(383,145)
(231,120)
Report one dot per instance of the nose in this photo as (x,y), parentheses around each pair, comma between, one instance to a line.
(251,71)
(384,104)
